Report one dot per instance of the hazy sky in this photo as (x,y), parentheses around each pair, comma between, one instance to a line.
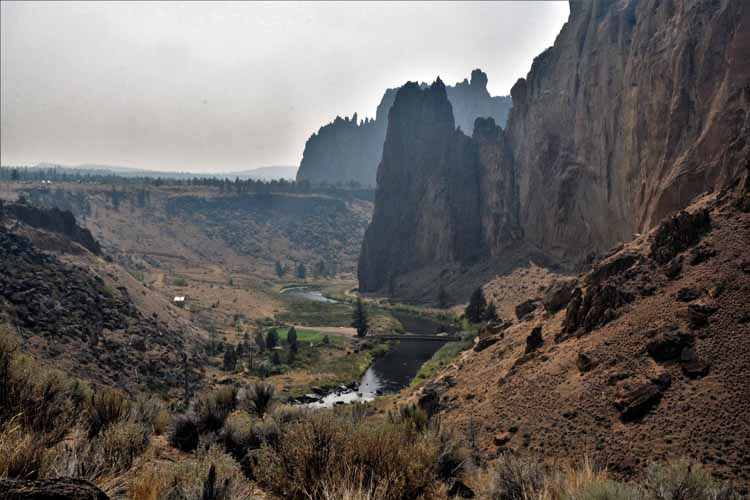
(227,86)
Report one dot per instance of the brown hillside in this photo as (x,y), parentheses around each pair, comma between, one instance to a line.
(648,361)
(88,317)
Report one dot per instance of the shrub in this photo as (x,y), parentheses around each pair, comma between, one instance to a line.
(682,480)
(185,433)
(151,412)
(212,410)
(191,479)
(237,435)
(411,416)
(119,445)
(107,407)
(514,478)
(22,455)
(258,398)
(605,489)
(325,452)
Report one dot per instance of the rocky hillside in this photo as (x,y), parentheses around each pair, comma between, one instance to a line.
(637,108)
(88,317)
(347,150)
(641,359)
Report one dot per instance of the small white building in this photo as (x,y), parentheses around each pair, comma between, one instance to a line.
(179,300)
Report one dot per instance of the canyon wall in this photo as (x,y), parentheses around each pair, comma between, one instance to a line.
(638,107)
(349,150)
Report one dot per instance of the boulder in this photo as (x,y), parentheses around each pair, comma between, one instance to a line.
(687,294)
(534,341)
(558,295)
(636,403)
(585,362)
(525,308)
(611,266)
(692,365)
(64,488)
(698,314)
(502,438)
(484,343)
(668,345)
(678,233)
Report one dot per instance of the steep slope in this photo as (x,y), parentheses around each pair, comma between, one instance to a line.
(347,150)
(88,317)
(647,361)
(638,107)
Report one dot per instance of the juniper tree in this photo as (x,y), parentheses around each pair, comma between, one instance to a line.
(359,319)
(477,306)
(291,338)
(272,338)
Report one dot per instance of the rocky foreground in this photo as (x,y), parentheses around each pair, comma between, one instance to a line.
(643,358)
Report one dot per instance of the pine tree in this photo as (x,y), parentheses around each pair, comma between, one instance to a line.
(301,272)
(230,359)
(291,338)
(272,338)
(475,311)
(359,319)
(276,360)
(280,270)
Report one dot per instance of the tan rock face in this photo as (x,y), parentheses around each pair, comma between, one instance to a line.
(639,107)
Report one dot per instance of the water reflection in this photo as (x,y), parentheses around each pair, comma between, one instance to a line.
(388,374)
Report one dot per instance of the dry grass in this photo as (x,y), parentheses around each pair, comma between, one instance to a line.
(188,479)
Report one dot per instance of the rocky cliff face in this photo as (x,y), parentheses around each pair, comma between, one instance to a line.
(347,150)
(638,107)
(439,209)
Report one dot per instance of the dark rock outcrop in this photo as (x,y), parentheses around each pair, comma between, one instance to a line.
(637,402)
(65,488)
(558,295)
(535,340)
(54,220)
(668,345)
(639,106)
(525,308)
(432,202)
(349,150)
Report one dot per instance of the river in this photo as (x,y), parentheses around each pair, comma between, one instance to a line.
(308,293)
(391,372)
(388,374)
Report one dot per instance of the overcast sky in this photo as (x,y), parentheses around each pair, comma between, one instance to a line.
(218,87)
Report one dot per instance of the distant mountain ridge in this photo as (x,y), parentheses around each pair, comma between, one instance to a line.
(267,173)
(349,150)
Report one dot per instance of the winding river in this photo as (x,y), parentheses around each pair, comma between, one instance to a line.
(391,372)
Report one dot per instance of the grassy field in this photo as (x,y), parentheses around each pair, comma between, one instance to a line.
(444,356)
(309,312)
(313,337)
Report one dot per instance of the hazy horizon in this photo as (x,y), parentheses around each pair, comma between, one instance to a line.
(204,87)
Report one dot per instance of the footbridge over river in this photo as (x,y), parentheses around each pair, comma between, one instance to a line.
(411,336)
